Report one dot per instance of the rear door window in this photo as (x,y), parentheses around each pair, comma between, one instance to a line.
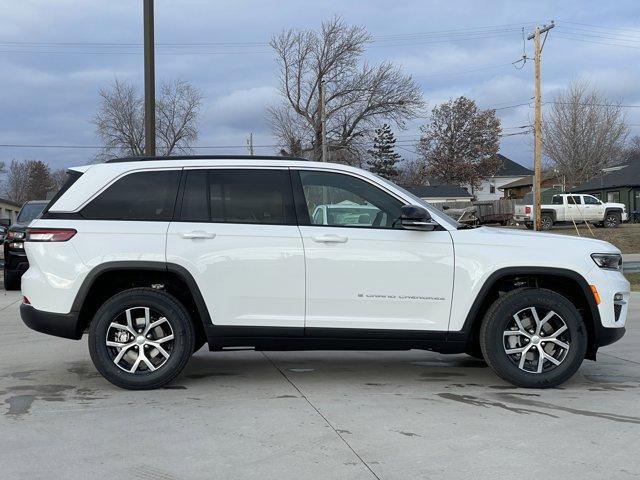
(138,196)
(261,196)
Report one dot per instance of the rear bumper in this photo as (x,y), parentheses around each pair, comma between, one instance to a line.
(64,325)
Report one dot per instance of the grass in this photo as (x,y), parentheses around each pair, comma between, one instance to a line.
(634,279)
(626,237)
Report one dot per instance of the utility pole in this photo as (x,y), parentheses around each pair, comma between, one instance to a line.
(537,122)
(250,143)
(323,121)
(149,81)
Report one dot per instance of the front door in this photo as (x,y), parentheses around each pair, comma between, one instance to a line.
(593,208)
(363,270)
(236,234)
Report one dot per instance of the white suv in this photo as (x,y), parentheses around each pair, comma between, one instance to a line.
(155,256)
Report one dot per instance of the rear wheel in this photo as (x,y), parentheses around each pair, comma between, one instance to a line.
(612,220)
(546,222)
(533,338)
(141,339)
(11,280)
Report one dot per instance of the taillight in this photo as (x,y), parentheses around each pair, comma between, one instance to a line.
(527,209)
(49,234)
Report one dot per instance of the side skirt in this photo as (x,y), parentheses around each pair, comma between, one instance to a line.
(290,339)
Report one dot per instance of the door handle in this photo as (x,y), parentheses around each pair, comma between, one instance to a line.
(197,234)
(330,239)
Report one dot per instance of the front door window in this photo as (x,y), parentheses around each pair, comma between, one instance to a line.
(339,200)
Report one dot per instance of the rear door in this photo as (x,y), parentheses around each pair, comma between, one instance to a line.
(236,233)
(574,208)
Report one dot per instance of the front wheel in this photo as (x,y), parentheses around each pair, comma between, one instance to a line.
(141,339)
(612,220)
(533,338)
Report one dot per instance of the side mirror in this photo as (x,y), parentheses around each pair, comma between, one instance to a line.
(413,217)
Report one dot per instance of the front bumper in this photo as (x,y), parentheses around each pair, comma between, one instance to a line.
(607,336)
(66,325)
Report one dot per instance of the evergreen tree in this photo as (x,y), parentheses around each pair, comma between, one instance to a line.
(383,157)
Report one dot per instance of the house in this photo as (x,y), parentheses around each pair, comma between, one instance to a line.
(438,194)
(9,209)
(620,183)
(524,185)
(508,172)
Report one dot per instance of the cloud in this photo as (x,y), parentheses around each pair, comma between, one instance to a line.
(242,109)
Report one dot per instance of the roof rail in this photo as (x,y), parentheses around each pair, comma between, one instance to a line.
(149,158)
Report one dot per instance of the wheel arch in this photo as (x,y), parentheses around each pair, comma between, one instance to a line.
(552,213)
(564,281)
(612,210)
(109,278)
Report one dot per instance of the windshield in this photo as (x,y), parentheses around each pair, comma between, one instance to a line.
(418,201)
(29,211)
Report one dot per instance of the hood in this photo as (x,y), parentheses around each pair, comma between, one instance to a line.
(506,247)
(511,237)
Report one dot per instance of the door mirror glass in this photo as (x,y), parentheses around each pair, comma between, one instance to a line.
(413,217)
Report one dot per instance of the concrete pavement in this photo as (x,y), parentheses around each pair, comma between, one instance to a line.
(312,415)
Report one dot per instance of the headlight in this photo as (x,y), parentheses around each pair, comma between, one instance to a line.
(608,261)
(15,235)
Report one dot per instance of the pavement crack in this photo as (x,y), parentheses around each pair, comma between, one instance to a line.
(619,358)
(326,420)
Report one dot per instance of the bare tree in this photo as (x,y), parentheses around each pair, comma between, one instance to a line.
(16,182)
(27,180)
(582,133)
(357,95)
(460,143)
(177,117)
(120,120)
(413,172)
(631,151)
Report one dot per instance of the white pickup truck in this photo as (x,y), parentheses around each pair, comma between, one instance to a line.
(573,208)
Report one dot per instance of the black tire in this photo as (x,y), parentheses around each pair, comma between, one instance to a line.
(546,222)
(11,280)
(529,226)
(612,220)
(182,346)
(497,320)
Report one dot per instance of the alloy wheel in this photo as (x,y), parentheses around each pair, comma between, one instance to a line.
(536,340)
(140,340)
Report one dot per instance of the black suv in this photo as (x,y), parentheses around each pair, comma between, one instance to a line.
(15,259)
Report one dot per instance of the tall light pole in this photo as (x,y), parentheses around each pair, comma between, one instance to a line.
(149,81)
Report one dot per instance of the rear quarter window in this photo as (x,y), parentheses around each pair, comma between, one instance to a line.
(140,196)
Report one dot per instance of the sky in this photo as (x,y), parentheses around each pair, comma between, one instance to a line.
(55,56)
